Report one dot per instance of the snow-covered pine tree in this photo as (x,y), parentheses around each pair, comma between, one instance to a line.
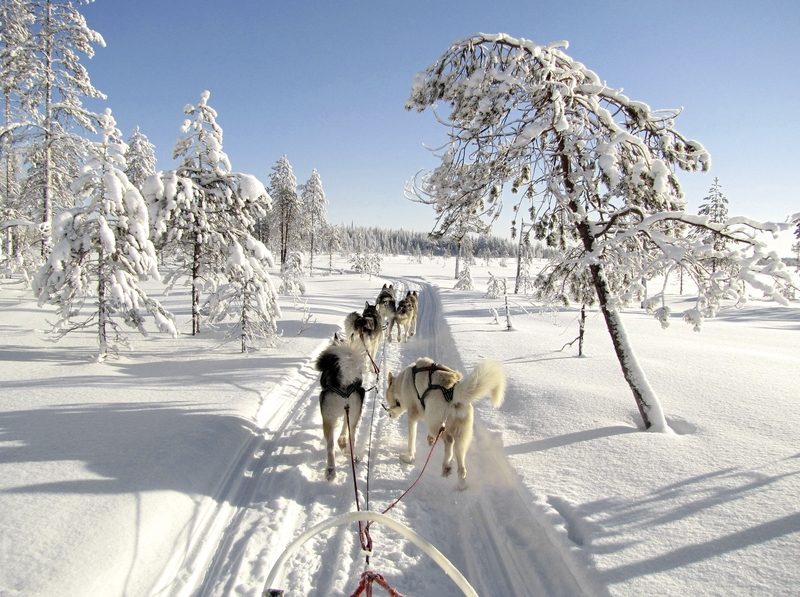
(595,166)
(102,250)
(494,287)
(525,280)
(249,297)
(55,83)
(141,158)
(283,189)
(315,210)
(292,275)
(332,241)
(202,210)
(715,208)
(465,279)
(15,34)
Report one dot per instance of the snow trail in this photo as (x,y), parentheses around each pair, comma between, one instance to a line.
(493,532)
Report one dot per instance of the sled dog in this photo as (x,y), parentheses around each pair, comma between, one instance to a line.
(387,306)
(341,385)
(364,330)
(413,297)
(403,318)
(441,397)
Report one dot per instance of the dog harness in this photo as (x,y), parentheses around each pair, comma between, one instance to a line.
(344,393)
(446,392)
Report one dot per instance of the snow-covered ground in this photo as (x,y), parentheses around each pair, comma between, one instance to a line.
(186,468)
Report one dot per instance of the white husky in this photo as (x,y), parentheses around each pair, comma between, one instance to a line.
(438,395)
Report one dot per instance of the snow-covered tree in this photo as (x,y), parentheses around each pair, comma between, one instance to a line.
(202,210)
(102,250)
(366,263)
(292,275)
(140,157)
(15,21)
(494,287)
(464,281)
(715,208)
(596,168)
(249,297)
(315,211)
(55,83)
(332,242)
(283,189)
(524,282)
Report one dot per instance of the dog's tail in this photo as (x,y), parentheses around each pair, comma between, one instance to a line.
(487,379)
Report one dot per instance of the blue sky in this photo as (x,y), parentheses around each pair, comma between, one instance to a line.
(325,83)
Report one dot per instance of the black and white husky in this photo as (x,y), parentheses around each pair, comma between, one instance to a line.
(340,367)
(387,307)
(441,397)
(364,329)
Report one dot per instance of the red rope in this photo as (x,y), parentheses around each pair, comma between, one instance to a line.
(365,585)
(363,531)
(419,476)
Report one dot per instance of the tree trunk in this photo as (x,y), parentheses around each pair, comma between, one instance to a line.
(458,260)
(581,329)
(519,260)
(646,400)
(243,322)
(195,289)
(48,133)
(102,306)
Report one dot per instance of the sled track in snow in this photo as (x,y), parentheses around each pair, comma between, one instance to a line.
(276,489)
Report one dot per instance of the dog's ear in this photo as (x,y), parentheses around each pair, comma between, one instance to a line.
(391,286)
(390,378)
(366,305)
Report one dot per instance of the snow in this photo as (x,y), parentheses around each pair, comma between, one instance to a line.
(185,467)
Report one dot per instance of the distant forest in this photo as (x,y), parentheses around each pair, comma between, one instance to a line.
(360,239)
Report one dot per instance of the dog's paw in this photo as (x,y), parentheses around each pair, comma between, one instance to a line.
(446,470)
(330,473)
(431,440)
(408,458)
(462,485)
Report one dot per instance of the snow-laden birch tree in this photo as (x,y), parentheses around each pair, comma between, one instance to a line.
(203,214)
(101,251)
(316,213)
(140,158)
(597,170)
(283,190)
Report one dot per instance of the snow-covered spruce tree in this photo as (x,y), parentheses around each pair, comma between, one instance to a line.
(332,241)
(314,208)
(283,189)
(596,167)
(464,281)
(102,250)
(56,81)
(141,158)
(201,210)
(292,275)
(249,297)
(715,208)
